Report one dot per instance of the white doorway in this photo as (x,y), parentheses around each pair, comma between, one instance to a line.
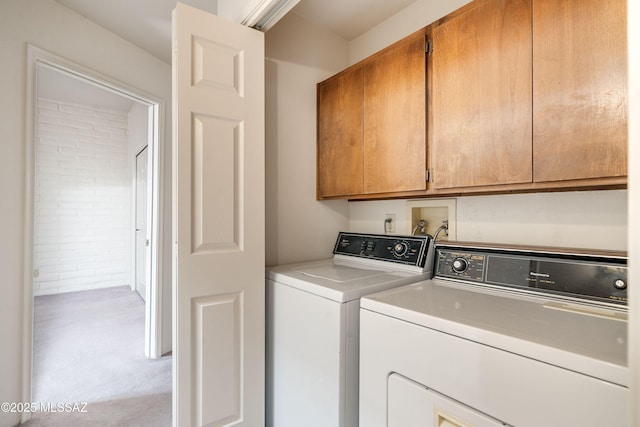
(39,60)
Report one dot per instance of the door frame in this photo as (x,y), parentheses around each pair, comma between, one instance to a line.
(153,316)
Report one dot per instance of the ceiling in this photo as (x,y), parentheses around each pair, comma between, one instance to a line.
(147,23)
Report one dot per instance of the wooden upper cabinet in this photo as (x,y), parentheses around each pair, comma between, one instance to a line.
(579,89)
(372,124)
(480,96)
(516,95)
(395,118)
(339,139)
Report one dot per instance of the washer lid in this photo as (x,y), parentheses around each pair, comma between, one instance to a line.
(342,281)
(545,329)
(339,273)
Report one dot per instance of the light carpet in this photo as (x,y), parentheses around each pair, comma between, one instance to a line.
(89,347)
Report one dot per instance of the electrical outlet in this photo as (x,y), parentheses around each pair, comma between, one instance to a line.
(36,272)
(390,223)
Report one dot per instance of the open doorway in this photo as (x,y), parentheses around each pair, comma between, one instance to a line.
(87,134)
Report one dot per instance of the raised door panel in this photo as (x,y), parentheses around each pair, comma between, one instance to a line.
(395,119)
(579,89)
(481,131)
(339,150)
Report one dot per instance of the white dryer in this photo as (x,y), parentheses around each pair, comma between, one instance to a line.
(522,337)
(313,325)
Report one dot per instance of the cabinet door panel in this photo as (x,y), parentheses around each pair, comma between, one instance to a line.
(481,96)
(579,89)
(395,119)
(339,156)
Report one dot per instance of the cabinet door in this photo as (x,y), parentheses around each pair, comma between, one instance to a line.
(339,149)
(481,96)
(579,89)
(394,118)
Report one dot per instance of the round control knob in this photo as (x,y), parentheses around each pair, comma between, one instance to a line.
(459,265)
(400,248)
(620,284)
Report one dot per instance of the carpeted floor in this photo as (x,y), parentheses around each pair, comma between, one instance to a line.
(89,347)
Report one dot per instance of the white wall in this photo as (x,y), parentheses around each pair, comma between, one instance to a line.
(415,16)
(52,27)
(82,198)
(585,219)
(298,55)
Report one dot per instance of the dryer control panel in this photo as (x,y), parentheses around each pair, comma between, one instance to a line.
(561,272)
(410,250)
(461,265)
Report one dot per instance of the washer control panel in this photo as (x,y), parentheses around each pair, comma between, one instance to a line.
(576,275)
(410,250)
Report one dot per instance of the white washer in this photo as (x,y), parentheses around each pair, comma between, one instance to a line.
(313,325)
(517,337)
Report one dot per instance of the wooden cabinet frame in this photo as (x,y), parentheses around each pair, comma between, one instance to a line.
(591,130)
(389,121)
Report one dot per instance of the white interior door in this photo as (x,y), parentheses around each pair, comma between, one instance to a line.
(218,226)
(142,239)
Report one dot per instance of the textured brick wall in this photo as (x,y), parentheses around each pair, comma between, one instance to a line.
(82,198)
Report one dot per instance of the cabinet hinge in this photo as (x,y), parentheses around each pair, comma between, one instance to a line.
(427,175)
(428,48)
